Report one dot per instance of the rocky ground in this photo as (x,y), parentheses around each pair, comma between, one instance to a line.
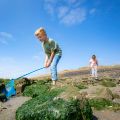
(9,108)
(74,77)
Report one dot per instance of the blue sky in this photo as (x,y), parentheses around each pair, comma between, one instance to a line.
(81,27)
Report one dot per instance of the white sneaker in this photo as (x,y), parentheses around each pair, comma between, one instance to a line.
(54,82)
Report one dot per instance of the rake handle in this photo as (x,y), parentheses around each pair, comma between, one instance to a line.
(29,73)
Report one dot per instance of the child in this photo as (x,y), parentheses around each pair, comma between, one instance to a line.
(93,65)
(52,51)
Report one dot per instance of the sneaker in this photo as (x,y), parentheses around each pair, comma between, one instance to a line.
(54,82)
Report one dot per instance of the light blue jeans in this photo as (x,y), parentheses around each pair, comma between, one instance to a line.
(94,72)
(53,67)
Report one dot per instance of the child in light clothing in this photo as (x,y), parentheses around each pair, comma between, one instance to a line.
(94,66)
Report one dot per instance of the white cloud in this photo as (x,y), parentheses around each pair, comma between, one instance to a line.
(5,34)
(75,16)
(69,12)
(50,6)
(62,11)
(49,9)
(76,3)
(3,41)
(92,11)
(72,1)
(5,37)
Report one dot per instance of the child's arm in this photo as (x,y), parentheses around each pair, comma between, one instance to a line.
(46,61)
(90,63)
(97,62)
(50,59)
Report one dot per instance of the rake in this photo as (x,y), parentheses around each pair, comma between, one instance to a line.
(9,88)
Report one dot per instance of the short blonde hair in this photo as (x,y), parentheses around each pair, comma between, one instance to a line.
(41,31)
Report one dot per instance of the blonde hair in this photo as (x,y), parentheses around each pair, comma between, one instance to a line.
(41,31)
